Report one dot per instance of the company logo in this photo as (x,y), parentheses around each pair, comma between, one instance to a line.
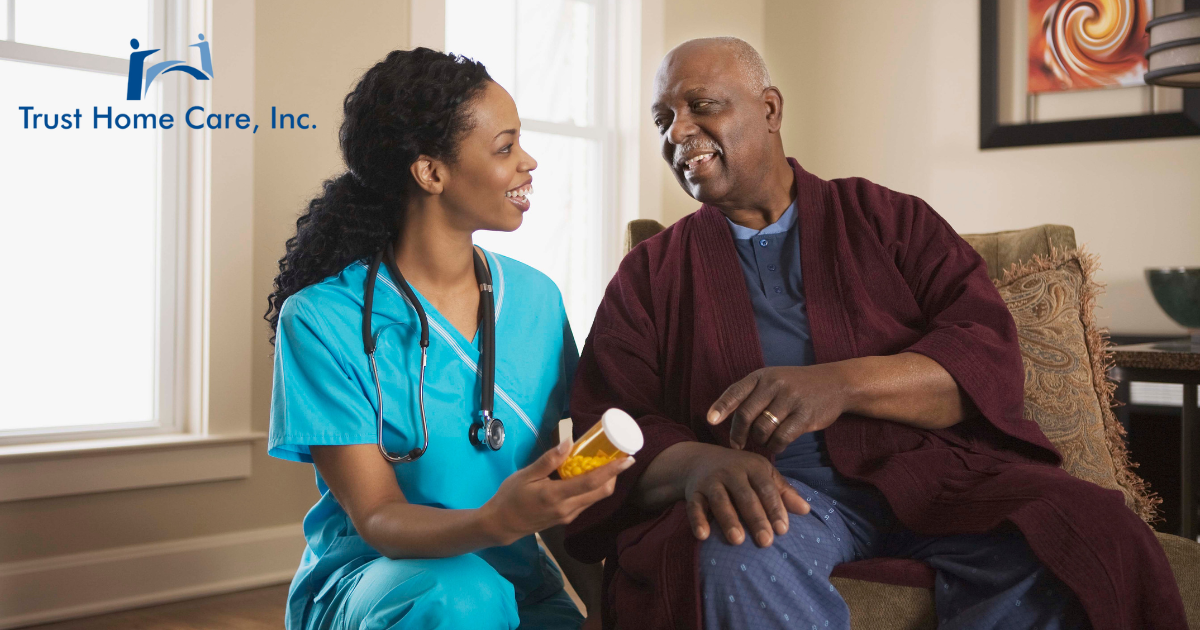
(139,81)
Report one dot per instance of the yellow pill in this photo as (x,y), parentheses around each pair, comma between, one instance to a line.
(580,464)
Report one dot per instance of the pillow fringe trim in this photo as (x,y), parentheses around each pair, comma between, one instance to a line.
(1099,346)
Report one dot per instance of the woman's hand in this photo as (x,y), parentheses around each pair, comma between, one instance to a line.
(800,399)
(529,501)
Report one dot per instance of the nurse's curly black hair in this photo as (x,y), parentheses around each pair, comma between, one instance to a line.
(413,103)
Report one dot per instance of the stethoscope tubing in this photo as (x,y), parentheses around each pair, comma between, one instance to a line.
(415,453)
(492,428)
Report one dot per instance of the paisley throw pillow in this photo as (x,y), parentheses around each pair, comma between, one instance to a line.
(1067,391)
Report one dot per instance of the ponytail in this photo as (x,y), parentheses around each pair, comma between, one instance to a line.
(347,222)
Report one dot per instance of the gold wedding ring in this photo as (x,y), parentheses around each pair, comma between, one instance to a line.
(770,416)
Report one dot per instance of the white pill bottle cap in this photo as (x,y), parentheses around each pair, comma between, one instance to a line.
(622,430)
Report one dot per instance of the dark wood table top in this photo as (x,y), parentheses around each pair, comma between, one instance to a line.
(1163,355)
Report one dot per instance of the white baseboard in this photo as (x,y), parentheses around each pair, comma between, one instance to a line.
(91,583)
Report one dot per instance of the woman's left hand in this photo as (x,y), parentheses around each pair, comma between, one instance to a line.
(801,399)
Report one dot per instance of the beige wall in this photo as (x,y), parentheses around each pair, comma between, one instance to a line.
(307,56)
(310,54)
(889,91)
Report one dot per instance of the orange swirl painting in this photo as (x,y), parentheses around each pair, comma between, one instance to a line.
(1084,44)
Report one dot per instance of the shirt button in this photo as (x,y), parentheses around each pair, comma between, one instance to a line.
(771,267)
(763,242)
(778,290)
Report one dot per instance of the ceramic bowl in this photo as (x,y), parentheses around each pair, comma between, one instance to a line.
(1177,291)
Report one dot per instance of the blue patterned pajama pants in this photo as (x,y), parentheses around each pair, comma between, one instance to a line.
(983,581)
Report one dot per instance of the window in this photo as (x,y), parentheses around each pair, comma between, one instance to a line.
(91,228)
(552,55)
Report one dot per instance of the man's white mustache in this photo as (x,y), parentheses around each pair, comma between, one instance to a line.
(692,147)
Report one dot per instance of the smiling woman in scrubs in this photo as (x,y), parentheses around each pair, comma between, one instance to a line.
(445,541)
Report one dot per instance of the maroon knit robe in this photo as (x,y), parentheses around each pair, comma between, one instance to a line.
(883,274)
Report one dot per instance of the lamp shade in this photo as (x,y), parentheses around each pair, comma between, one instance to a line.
(1174,53)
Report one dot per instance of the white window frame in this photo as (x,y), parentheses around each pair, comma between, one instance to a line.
(206,197)
(615,121)
(171,148)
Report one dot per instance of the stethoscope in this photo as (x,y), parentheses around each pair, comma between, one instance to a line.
(486,430)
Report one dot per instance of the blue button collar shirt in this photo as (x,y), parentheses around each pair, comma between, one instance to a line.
(771,266)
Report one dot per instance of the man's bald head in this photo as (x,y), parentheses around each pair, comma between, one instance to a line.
(718,118)
(750,64)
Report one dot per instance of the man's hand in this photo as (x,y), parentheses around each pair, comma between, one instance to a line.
(730,484)
(800,399)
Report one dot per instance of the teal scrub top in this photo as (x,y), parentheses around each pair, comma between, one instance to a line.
(323,394)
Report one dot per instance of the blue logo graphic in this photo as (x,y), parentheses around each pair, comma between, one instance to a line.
(139,82)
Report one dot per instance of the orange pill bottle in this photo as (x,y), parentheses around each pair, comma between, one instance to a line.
(617,435)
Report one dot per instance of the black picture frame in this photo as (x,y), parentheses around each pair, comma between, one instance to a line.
(994,135)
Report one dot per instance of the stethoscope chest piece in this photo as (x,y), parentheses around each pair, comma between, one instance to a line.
(487,431)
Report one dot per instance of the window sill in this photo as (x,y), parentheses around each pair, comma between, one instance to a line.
(34,471)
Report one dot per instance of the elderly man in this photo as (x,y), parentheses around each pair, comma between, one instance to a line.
(824,367)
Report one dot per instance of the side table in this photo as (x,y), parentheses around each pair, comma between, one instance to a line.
(1172,362)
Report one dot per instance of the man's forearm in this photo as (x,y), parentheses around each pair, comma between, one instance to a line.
(908,388)
(663,481)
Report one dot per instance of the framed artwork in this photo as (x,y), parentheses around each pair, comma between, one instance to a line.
(1061,71)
